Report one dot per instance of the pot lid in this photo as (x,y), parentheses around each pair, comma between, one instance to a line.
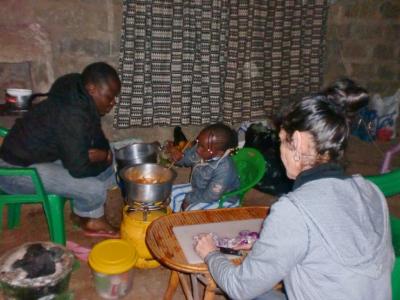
(113,256)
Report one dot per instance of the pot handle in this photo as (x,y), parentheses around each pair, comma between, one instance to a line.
(157,146)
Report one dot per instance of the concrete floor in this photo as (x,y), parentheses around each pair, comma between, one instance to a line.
(361,158)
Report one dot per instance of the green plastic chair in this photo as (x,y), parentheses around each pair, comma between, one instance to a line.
(53,205)
(250,165)
(389,183)
(395,226)
(3,132)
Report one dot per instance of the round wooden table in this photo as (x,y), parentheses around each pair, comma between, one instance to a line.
(164,246)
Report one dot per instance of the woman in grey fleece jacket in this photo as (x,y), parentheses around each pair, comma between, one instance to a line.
(329,238)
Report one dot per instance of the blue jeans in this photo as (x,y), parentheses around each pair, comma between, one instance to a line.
(89,194)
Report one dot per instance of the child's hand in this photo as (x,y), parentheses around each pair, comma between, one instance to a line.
(168,146)
(175,155)
(173,151)
(185,204)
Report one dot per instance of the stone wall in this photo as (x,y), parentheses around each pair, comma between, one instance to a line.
(14,75)
(80,31)
(362,42)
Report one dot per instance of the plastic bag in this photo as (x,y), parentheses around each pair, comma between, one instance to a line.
(387,111)
(364,124)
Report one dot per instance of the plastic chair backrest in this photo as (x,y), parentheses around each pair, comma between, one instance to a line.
(395,226)
(53,204)
(389,184)
(30,172)
(3,131)
(250,165)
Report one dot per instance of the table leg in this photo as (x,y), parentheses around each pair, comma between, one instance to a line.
(195,286)
(172,285)
(210,288)
(185,286)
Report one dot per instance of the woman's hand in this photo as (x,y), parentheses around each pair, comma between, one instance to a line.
(205,245)
(243,247)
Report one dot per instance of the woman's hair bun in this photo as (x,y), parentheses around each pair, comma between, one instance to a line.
(346,96)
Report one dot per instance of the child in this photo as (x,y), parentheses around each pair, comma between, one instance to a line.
(213,173)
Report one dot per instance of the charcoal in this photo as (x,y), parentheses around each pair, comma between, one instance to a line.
(38,261)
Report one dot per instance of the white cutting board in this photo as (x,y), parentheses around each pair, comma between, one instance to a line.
(184,234)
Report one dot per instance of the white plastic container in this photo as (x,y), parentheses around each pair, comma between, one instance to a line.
(113,286)
(18,99)
(112,263)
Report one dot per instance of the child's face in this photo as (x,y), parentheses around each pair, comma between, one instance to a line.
(205,146)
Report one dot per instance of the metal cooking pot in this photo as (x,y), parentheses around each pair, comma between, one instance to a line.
(136,154)
(147,192)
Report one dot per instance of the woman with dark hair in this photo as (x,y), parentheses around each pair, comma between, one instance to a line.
(327,239)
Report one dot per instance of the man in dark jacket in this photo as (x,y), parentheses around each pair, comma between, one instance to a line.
(62,138)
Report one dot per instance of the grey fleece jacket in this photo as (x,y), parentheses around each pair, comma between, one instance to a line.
(328,239)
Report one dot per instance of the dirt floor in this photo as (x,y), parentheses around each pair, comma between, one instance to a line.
(361,157)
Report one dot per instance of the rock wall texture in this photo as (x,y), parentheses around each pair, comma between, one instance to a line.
(362,41)
(77,32)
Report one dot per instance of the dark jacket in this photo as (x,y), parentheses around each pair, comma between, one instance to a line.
(63,127)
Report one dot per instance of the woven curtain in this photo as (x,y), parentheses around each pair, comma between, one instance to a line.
(201,61)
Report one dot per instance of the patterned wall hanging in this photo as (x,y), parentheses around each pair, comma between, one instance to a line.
(202,61)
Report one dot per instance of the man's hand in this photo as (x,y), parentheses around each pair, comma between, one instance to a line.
(205,245)
(100,155)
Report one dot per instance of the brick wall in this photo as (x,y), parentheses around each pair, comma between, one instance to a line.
(362,36)
(14,75)
(80,31)
(362,42)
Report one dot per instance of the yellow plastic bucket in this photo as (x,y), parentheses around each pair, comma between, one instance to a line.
(112,263)
(133,230)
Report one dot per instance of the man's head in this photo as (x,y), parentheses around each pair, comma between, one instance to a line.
(214,140)
(102,83)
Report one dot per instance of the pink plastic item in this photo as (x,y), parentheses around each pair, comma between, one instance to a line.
(388,157)
(82,253)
